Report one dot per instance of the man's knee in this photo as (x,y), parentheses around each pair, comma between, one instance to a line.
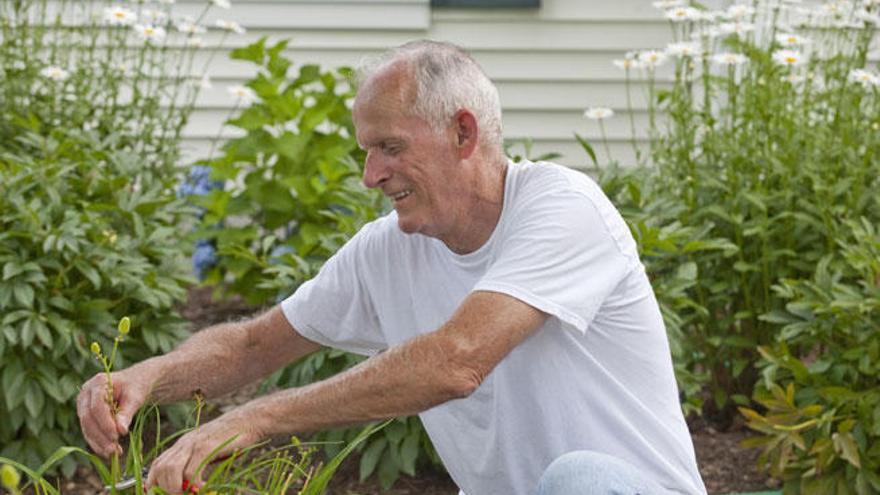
(585,472)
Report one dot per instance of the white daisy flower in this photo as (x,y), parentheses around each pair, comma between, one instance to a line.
(598,113)
(727,58)
(223,4)
(118,16)
(649,59)
(243,94)
(789,39)
(18,65)
(190,27)
(681,14)
(55,73)
(866,78)
(788,58)
(230,26)
(668,4)
(626,63)
(740,11)
(150,33)
(683,49)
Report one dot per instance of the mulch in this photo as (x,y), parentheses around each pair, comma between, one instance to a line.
(725,467)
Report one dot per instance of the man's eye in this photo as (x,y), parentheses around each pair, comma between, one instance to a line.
(390,149)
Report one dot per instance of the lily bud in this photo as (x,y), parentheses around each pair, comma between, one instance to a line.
(9,477)
(96,348)
(124,325)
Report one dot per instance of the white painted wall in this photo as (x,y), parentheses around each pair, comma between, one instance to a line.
(549,63)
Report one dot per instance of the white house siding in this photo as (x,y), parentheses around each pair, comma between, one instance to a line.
(549,63)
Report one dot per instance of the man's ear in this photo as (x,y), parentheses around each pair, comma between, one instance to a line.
(467,132)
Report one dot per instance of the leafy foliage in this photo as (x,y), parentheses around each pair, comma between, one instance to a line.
(294,196)
(88,215)
(821,429)
(758,166)
(79,243)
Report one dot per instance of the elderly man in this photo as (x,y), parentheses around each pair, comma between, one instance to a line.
(502,302)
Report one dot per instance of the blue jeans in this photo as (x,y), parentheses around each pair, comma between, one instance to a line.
(591,473)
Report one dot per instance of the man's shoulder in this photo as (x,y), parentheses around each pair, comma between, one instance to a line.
(551,182)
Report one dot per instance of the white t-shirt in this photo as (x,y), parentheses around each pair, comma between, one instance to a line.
(597,376)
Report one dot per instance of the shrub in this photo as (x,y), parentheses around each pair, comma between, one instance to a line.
(91,110)
(294,197)
(763,147)
(821,428)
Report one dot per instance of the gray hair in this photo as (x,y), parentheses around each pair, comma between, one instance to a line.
(448,79)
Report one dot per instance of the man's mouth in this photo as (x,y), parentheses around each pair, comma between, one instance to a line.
(400,195)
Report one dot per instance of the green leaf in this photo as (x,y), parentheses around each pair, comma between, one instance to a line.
(389,469)
(409,452)
(370,457)
(589,149)
(34,399)
(255,52)
(13,379)
(845,445)
(11,269)
(24,294)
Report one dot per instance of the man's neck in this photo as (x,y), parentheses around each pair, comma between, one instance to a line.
(482,211)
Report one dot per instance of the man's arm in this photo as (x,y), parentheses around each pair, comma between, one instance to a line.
(213,361)
(428,370)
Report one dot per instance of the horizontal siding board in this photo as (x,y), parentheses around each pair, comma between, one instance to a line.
(521,66)
(515,95)
(573,155)
(380,15)
(537,124)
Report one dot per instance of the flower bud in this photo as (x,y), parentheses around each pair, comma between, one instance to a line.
(9,477)
(96,348)
(124,325)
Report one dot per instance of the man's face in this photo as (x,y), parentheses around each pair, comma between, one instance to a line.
(411,163)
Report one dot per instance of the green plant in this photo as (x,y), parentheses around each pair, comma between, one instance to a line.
(261,468)
(819,387)
(91,111)
(293,197)
(763,146)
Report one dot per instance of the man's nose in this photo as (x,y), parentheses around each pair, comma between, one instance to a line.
(375,171)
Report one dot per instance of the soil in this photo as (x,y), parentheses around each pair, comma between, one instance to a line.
(725,467)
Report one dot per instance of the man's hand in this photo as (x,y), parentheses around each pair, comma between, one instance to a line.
(176,467)
(100,428)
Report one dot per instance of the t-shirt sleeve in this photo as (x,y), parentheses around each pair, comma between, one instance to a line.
(562,253)
(334,308)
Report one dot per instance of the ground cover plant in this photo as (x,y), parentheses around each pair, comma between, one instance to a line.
(92,103)
(756,210)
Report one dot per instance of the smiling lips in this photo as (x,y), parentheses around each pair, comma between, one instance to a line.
(400,195)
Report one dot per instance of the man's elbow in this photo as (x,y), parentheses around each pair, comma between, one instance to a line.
(463,382)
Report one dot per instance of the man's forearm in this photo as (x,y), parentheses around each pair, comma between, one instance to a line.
(404,380)
(222,358)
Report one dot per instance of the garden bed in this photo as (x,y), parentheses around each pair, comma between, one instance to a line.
(725,467)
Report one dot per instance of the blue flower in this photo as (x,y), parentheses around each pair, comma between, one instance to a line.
(204,258)
(198,182)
